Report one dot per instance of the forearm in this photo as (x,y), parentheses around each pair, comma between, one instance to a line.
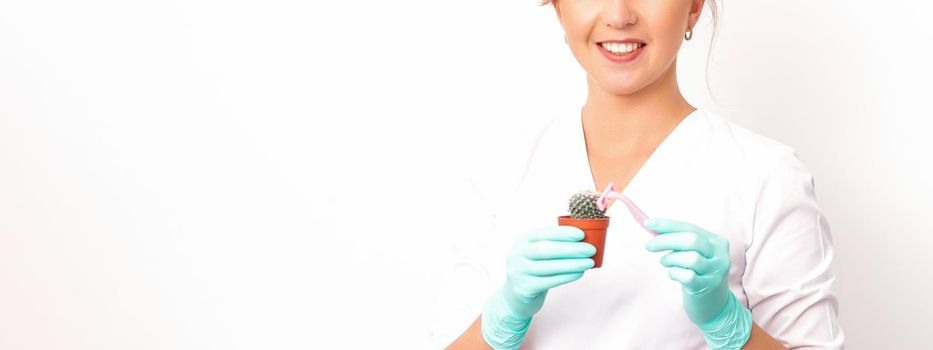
(472,338)
(759,340)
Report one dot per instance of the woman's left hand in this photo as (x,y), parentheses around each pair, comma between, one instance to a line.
(699,260)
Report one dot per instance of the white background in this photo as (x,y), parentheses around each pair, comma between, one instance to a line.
(270,175)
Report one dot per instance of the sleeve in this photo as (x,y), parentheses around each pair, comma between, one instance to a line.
(788,278)
(472,263)
(461,280)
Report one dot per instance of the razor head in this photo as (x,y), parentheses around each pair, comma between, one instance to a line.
(603,200)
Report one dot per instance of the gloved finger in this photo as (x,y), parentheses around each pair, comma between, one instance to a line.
(663,226)
(693,283)
(547,282)
(557,266)
(704,282)
(688,260)
(558,233)
(545,250)
(684,276)
(681,241)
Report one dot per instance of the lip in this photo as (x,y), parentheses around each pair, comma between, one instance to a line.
(628,40)
(626,58)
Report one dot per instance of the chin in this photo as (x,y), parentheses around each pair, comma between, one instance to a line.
(621,87)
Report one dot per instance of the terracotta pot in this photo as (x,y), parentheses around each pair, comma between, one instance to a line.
(594,230)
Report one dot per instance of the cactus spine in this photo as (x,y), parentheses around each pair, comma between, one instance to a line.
(583,206)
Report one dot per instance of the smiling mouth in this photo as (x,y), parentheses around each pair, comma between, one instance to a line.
(620,49)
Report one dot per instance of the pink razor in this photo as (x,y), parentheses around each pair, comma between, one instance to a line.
(609,192)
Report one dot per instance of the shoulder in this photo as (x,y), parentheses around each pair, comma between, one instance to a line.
(498,167)
(743,148)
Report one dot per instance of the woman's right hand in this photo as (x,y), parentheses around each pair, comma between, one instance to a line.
(542,259)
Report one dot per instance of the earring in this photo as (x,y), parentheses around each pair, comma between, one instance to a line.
(689,34)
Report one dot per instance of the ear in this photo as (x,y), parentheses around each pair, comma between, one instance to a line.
(696,7)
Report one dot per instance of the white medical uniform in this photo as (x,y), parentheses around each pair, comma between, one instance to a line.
(708,172)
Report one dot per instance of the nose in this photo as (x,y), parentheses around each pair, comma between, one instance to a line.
(618,13)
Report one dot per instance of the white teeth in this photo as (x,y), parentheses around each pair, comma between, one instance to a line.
(618,48)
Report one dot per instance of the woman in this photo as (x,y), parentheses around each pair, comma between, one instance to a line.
(749,250)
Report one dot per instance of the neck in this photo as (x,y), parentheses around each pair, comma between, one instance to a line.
(619,124)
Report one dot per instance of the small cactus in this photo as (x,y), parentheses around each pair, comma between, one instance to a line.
(583,206)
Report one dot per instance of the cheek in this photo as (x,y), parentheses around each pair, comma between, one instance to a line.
(579,18)
(580,40)
(668,37)
(667,48)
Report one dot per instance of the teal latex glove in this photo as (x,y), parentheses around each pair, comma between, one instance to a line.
(699,260)
(541,259)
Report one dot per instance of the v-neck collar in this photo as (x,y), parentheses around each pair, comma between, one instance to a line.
(672,140)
